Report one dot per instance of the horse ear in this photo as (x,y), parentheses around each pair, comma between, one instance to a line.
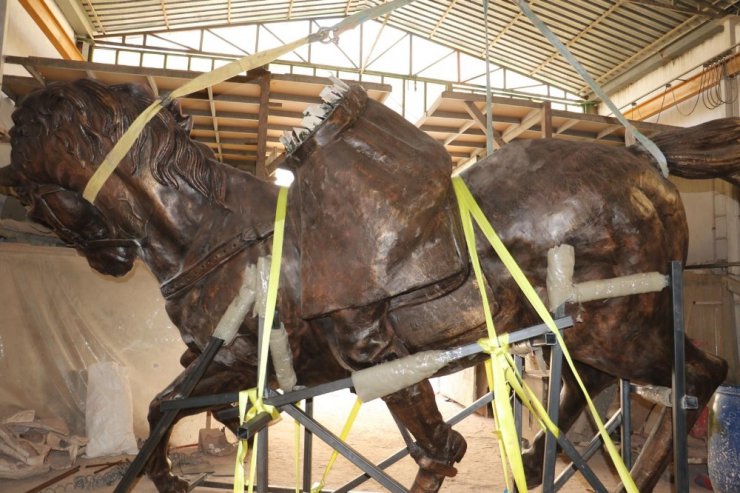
(9,176)
(184,121)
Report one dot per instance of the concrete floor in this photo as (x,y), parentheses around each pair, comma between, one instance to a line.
(374,435)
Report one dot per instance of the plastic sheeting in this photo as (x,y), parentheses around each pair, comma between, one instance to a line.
(58,316)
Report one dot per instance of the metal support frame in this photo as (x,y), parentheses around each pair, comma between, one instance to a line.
(168,417)
(622,418)
(287,403)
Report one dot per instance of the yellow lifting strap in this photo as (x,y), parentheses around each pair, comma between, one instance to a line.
(502,367)
(318,487)
(208,79)
(255,396)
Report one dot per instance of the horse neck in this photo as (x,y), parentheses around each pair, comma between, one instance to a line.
(193,226)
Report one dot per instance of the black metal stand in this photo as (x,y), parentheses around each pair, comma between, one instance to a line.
(165,422)
(622,418)
(287,403)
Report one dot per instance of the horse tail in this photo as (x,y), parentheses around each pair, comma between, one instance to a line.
(708,150)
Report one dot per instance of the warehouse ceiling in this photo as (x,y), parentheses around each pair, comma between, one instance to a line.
(610,38)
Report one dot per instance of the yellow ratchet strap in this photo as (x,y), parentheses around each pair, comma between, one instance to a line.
(502,410)
(208,79)
(245,396)
(317,487)
(256,396)
(469,207)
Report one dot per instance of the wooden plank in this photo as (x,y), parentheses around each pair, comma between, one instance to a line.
(214,117)
(546,122)
(532,118)
(677,93)
(52,28)
(479,118)
(568,124)
(463,128)
(608,131)
(261,170)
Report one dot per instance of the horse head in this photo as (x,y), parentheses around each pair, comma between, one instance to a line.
(63,131)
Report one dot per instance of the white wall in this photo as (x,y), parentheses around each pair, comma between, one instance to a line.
(711,205)
(22,38)
(25,38)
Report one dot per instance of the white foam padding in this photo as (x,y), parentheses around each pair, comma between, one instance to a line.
(392,376)
(232,319)
(282,359)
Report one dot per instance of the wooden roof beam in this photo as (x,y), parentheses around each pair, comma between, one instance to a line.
(261,168)
(52,28)
(479,118)
(533,118)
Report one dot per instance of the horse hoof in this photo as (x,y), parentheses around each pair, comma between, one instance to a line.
(426,482)
(532,468)
(171,484)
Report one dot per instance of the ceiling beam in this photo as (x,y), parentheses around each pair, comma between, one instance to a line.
(533,117)
(479,118)
(52,28)
(658,58)
(681,8)
(77,18)
(569,44)
(261,168)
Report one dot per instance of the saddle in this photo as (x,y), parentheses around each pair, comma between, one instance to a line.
(377,211)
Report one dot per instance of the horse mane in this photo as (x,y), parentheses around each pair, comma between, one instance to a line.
(85,118)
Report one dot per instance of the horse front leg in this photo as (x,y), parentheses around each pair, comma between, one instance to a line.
(218,378)
(363,337)
(438,446)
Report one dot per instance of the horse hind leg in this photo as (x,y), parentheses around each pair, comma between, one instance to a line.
(572,403)
(704,373)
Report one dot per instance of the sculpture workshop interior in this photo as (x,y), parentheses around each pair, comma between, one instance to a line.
(370,245)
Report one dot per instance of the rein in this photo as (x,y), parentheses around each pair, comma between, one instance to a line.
(66,233)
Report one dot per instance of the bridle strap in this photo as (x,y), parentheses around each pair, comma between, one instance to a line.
(208,263)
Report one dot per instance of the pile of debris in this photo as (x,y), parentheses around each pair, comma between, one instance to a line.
(31,446)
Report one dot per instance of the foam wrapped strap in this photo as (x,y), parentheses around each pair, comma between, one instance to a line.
(398,374)
(561,289)
(560,264)
(282,358)
(237,310)
(619,286)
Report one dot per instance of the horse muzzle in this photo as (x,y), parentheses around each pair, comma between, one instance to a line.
(9,176)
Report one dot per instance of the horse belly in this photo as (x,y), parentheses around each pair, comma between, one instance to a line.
(449,320)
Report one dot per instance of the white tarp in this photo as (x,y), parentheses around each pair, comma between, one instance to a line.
(58,316)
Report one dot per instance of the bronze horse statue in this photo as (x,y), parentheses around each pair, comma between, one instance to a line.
(373,268)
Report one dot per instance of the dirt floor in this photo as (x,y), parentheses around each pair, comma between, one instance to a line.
(374,435)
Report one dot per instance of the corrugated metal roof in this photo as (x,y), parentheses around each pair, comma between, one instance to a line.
(608,37)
